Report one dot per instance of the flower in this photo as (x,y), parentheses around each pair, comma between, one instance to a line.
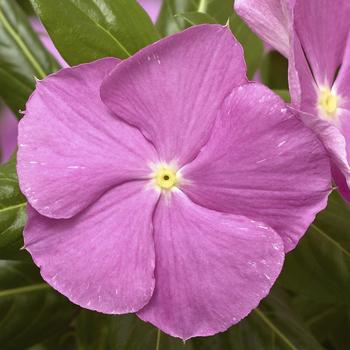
(319,55)
(177,194)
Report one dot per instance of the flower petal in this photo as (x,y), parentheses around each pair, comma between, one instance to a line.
(263,163)
(269,19)
(152,7)
(212,268)
(103,258)
(303,90)
(323,27)
(172,89)
(8,134)
(71,148)
(341,183)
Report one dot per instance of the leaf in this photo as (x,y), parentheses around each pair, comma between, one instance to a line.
(22,56)
(253,46)
(12,212)
(124,332)
(274,71)
(30,311)
(168,23)
(84,31)
(194,18)
(319,268)
(284,94)
(274,325)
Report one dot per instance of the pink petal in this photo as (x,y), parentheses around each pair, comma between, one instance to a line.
(47,42)
(71,148)
(303,90)
(152,7)
(103,258)
(263,163)
(269,19)
(341,183)
(8,134)
(323,27)
(212,268)
(172,89)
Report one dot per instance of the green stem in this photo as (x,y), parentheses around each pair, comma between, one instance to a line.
(275,329)
(12,207)
(331,240)
(41,73)
(158,339)
(202,7)
(22,290)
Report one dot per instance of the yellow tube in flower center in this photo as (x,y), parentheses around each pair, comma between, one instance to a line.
(328,102)
(165,177)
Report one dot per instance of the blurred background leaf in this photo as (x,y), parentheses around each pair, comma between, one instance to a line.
(252,45)
(319,268)
(168,22)
(274,71)
(12,212)
(22,56)
(84,31)
(30,311)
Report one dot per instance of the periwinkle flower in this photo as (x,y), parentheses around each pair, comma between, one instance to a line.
(314,35)
(176,193)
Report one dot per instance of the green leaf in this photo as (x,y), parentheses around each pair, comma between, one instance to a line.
(22,56)
(126,332)
(87,30)
(319,268)
(194,18)
(274,71)
(168,23)
(274,325)
(284,94)
(253,46)
(30,311)
(12,212)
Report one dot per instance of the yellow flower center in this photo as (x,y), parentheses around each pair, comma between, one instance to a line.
(165,177)
(328,102)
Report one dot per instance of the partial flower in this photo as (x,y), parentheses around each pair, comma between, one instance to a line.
(177,194)
(319,77)
(319,54)
(270,19)
(152,7)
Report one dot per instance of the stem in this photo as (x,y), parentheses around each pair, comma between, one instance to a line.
(21,290)
(275,329)
(41,73)
(158,339)
(202,7)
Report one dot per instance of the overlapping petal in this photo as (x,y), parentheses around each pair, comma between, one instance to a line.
(8,133)
(71,148)
(314,65)
(269,19)
(152,7)
(173,102)
(322,27)
(103,258)
(212,268)
(263,163)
